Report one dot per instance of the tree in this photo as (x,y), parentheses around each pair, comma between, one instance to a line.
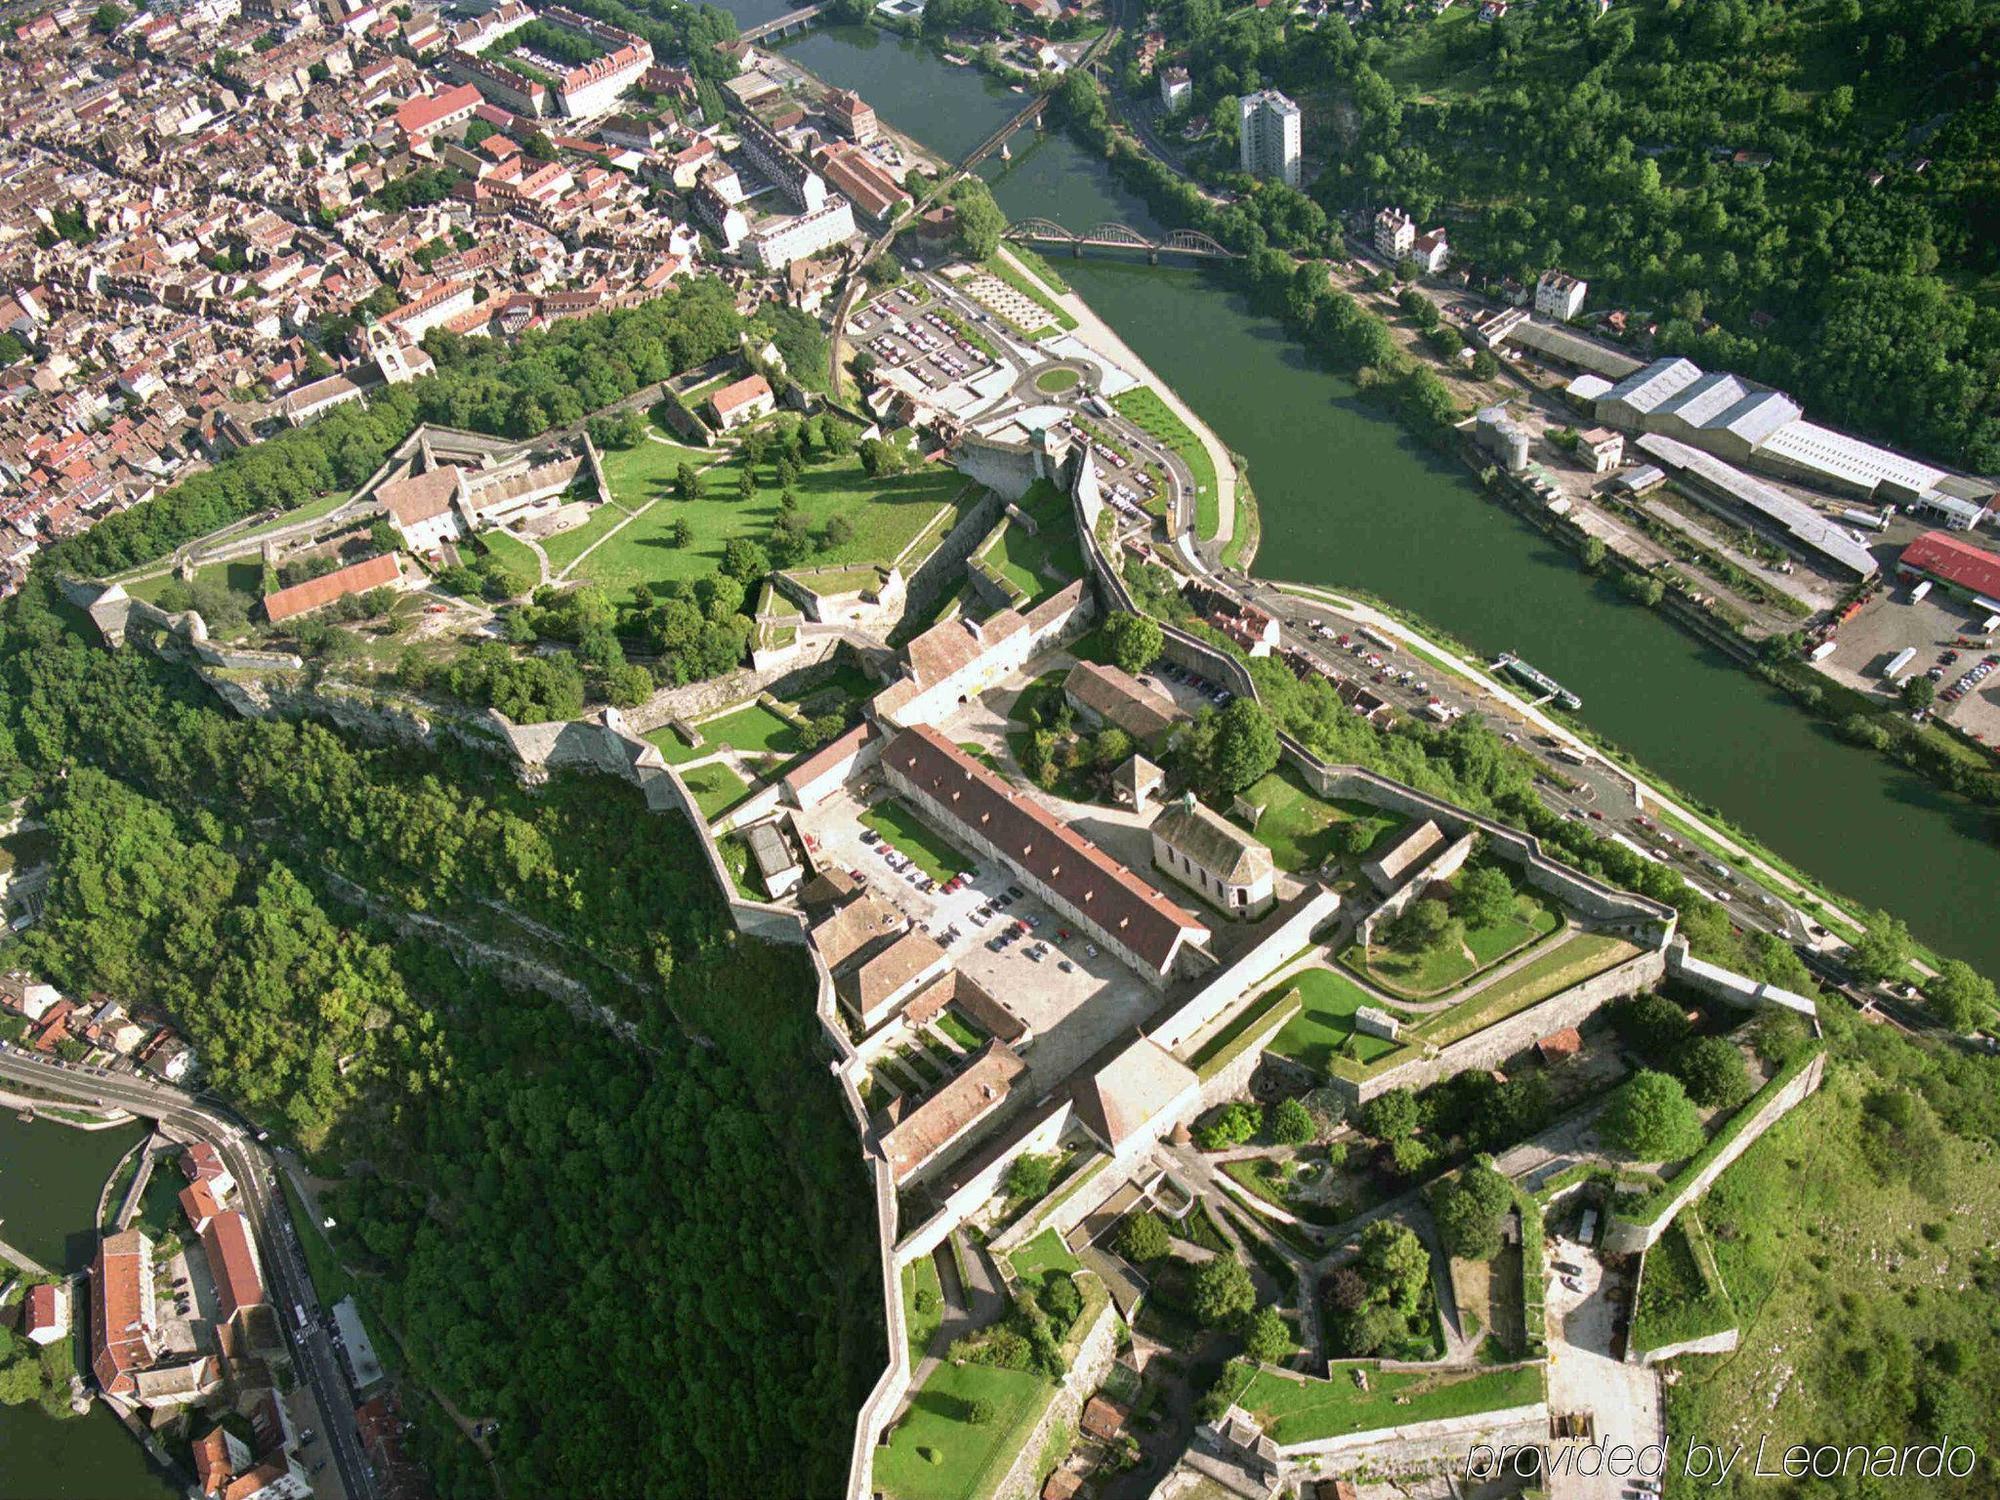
(1918,694)
(1470,1209)
(1234,1124)
(1391,1115)
(1144,1238)
(1883,949)
(1485,897)
(1030,1175)
(109,18)
(1395,1264)
(1779,1035)
(1485,364)
(980,222)
(1358,835)
(1963,998)
(1220,1291)
(1714,1072)
(979,1411)
(1651,1118)
(838,533)
(1135,641)
(681,533)
(1267,1340)
(1420,926)
(1231,749)
(746,483)
(744,560)
(1652,1024)
(1292,1123)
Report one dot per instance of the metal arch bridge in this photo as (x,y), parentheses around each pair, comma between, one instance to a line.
(782,25)
(1116,236)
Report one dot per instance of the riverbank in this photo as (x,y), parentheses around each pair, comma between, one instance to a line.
(1350,501)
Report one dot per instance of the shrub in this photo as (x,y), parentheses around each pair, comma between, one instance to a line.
(1292,1123)
(1232,1126)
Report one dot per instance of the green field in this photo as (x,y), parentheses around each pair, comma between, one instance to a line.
(1299,1411)
(244,576)
(959,1030)
(1570,962)
(1043,1254)
(1054,382)
(716,788)
(1434,970)
(565,547)
(752,727)
(937,1454)
(1041,563)
(921,1275)
(1304,831)
(1324,1029)
(675,750)
(1679,1298)
(887,514)
(1146,410)
(901,827)
(518,557)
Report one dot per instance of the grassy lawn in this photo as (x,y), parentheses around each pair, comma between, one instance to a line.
(959,1030)
(1680,1298)
(1299,1411)
(1571,962)
(1227,1044)
(1434,970)
(1146,410)
(1043,1254)
(1267,1179)
(887,513)
(936,1454)
(1325,1028)
(901,827)
(716,788)
(920,1275)
(753,727)
(244,576)
(1040,563)
(1304,831)
(675,750)
(515,553)
(1054,382)
(565,547)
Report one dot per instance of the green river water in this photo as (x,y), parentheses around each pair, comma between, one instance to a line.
(50,1176)
(1348,498)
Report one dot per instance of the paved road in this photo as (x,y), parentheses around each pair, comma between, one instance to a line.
(270,1221)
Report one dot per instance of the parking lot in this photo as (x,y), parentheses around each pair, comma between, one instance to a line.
(1073,996)
(1950,647)
(906,329)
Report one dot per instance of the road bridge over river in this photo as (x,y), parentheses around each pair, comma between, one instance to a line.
(1191,242)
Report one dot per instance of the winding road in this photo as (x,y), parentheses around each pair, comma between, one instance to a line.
(262,1203)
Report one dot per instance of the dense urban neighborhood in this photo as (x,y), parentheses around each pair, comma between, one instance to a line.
(689,810)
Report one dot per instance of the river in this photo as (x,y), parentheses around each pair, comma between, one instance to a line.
(50,1176)
(1350,499)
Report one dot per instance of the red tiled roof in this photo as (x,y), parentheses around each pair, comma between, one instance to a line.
(118,1343)
(1955,561)
(316,593)
(740,393)
(415,116)
(212,1468)
(198,1202)
(41,1307)
(232,1261)
(1122,905)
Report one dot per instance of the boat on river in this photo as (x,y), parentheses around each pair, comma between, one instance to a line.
(1537,679)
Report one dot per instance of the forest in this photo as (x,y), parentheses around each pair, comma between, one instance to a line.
(1804,193)
(653,1258)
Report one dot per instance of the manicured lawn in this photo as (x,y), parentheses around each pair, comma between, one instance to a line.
(1040,563)
(1568,963)
(752,727)
(1265,1178)
(958,1030)
(716,788)
(675,750)
(907,832)
(936,1454)
(329,1280)
(1530,920)
(1304,831)
(1146,410)
(520,560)
(244,576)
(1325,1028)
(1043,1254)
(887,514)
(1227,1044)
(921,1276)
(565,547)
(1054,382)
(1300,1411)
